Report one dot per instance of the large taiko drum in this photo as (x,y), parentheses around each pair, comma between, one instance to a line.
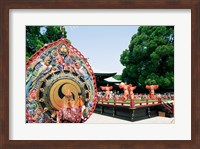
(60,85)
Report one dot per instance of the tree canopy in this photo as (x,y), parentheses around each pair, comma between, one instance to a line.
(149,58)
(37,36)
(117,77)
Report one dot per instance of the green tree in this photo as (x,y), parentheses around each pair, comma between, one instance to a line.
(37,36)
(150,57)
(117,77)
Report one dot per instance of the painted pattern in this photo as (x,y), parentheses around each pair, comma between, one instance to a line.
(60,85)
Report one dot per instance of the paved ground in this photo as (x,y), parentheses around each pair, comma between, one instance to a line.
(98,118)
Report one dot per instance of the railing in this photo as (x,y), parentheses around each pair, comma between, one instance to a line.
(135,103)
(138,102)
(168,106)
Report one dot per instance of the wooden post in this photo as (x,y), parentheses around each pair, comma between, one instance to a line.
(149,112)
(159,99)
(113,112)
(132,103)
(101,109)
(132,115)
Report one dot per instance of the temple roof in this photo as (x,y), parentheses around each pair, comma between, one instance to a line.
(104,77)
(112,80)
(103,74)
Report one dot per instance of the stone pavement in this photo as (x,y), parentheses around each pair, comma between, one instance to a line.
(102,119)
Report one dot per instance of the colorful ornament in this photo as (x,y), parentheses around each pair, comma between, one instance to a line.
(60,80)
(107,89)
(151,89)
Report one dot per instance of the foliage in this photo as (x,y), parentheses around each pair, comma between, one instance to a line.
(117,77)
(37,36)
(150,57)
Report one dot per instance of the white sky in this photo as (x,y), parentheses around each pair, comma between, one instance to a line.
(103,45)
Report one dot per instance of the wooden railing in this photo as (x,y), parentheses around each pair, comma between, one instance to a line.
(135,103)
(168,106)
